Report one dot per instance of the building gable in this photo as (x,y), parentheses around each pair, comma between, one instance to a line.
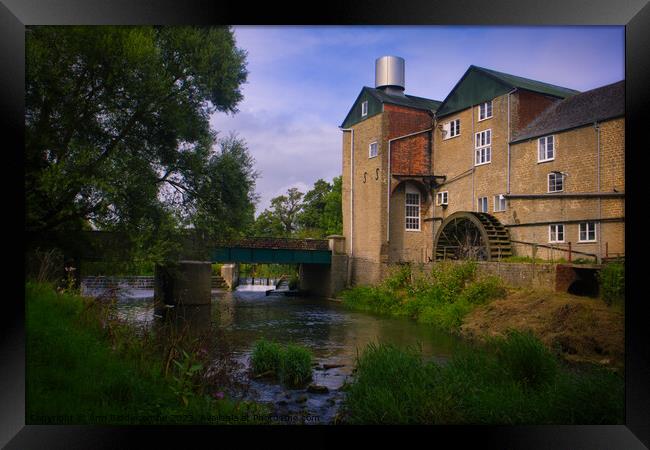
(478,85)
(354,115)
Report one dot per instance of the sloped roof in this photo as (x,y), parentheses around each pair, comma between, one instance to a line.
(598,104)
(479,84)
(409,101)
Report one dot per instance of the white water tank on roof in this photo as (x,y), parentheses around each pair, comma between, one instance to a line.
(389,74)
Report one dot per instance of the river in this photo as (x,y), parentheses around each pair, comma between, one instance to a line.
(333,333)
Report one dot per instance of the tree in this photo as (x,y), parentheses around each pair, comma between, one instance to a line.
(332,218)
(286,208)
(313,208)
(117,129)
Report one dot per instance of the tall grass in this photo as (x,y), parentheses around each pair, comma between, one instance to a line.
(84,368)
(513,381)
(290,365)
(442,297)
(612,283)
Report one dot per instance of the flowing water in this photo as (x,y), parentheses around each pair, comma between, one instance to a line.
(333,333)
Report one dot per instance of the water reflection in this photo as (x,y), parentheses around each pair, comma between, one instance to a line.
(334,334)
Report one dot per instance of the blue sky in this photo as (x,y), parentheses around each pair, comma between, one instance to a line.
(302,81)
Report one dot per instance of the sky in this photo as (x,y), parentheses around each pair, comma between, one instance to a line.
(302,81)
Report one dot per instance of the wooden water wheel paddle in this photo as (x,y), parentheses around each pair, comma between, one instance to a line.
(472,235)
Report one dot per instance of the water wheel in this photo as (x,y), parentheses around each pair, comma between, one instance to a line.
(472,235)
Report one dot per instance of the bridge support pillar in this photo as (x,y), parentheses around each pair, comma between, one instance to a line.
(183,283)
(321,280)
(230,274)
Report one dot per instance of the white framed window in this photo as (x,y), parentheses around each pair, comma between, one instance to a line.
(372,150)
(483,147)
(412,209)
(587,232)
(485,110)
(482,204)
(545,149)
(499,203)
(556,233)
(451,129)
(555,182)
(364,109)
(442,198)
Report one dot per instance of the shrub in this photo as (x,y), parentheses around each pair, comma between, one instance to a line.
(290,365)
(612,283)
(266,357)
(399,277)
(484,290)
(295,369)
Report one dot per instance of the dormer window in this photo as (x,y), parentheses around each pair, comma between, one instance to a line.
(364,109)
(485,110)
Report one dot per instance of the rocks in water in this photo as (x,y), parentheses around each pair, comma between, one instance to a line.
(331,401)
(332,366)
(283,403)
(302,399)
(316,389)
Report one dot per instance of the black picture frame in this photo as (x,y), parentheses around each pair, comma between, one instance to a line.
(633,14)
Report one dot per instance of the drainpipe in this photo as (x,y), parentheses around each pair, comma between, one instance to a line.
(473,145)
(351,130)
(598,231)
(509,138)
(390,141)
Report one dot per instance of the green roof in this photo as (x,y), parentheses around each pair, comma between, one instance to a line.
(377,97)
(479,84)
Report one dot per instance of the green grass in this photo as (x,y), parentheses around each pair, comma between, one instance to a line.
(441,298)
(77,372)
(514,380)
(290,365)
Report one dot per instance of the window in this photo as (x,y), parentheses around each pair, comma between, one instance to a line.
(372,150)
(364,109)
(482,204)
(556,233)
(412,210)
(555,182)
(442,198)
(451,129)
(499,203)
(587,232)
(485,110)
(483,147)
(546,149)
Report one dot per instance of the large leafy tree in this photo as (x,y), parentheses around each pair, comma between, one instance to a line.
(118,134)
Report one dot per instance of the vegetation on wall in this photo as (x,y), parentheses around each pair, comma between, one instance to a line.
(442,297)
(612,283)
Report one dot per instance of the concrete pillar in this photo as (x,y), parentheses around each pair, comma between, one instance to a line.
(230,274)
(183,283)
(322,280)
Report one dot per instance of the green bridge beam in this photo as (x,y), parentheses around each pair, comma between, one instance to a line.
(270,256)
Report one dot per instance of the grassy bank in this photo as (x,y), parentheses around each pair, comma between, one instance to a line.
(515,380)
(83,367)
(442,297)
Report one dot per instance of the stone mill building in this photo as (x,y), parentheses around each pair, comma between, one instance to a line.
(503,166)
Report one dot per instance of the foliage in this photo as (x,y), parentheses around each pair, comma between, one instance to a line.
(117,131)
(612,283)
(316,215)
(266,357)
(442,298)
(291,365)
(480,386)
(84,365)
(296,366)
